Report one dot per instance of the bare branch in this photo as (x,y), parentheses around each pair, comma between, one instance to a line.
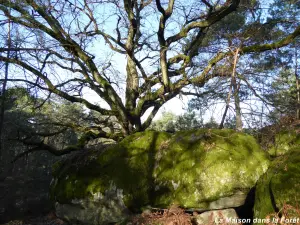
(54,89)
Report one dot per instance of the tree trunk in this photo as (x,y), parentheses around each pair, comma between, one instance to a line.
(298,99)
(297,86)
(238,113)
(3,92)
(236,97)
(132,83)
(221,126)
(6,166)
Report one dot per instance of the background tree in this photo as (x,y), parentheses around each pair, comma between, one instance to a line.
(3,88)
(283,94)
(32,120)
(255,72)
(170,122)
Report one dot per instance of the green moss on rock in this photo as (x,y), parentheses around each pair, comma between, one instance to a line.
(203,166)
(284,141)
(279,186)
(194,169)
(127,166)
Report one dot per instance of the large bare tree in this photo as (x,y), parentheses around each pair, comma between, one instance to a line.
(67,46)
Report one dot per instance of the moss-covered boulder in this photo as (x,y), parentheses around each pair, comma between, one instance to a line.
(284,141)
(202,169)
(279,187)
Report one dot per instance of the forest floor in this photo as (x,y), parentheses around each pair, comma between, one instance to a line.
(172,216)
(49,219)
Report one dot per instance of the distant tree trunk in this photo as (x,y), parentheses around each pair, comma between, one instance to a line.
(3,92)
(221,126)
(297,85)
(238,112)
(234,86)
(298,98)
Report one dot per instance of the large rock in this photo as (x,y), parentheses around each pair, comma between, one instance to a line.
(202,169)
(278,189)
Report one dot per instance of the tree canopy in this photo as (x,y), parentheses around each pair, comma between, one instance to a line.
(73,47)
